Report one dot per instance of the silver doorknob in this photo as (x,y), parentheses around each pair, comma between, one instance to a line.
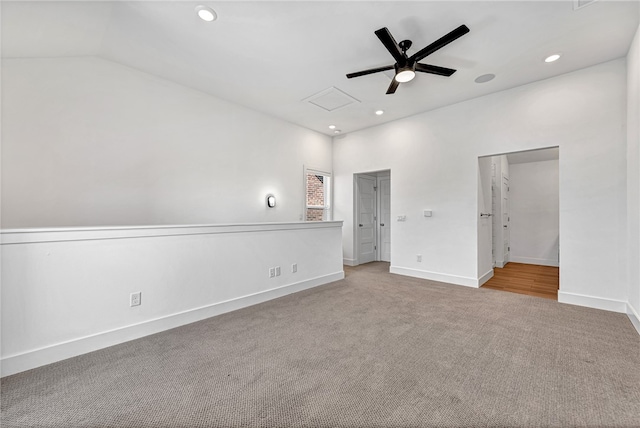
(381,224)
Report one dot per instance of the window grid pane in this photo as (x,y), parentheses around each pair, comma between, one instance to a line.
(318,196)
(315,190)
(315,214)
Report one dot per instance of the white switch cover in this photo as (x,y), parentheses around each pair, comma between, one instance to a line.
(402,218)
(427,213)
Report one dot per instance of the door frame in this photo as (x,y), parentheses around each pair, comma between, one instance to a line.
(505,224)
(383,175)
(377,175)
(499,184)
(357,220)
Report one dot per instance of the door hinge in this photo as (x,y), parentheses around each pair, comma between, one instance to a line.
(375,247)
(508,248)
(375,188)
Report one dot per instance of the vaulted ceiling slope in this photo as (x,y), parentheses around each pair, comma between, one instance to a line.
(273,56)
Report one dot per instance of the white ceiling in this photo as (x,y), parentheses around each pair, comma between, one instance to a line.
(271,56)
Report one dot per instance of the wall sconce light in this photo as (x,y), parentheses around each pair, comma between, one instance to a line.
(271,201)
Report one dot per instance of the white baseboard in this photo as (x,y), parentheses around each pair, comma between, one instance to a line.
(434,276)
(486,277)
(534,261)
(593,302)
(349,262)
(634,317)
(39,357)
(500,264)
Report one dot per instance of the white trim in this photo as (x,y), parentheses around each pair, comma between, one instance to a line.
(484,278)
(633,316)
(534,261)
(30,236)
(379,177)
(349,262)
(592,302)
(435,276)
(38,357)
(500,264)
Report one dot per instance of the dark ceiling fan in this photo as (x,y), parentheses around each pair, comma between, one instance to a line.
(406,66)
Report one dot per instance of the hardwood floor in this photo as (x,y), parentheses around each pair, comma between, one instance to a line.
(532,280)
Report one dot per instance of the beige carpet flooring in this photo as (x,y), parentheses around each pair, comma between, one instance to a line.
(372,350)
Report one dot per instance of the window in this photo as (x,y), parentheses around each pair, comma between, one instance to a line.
(317,186)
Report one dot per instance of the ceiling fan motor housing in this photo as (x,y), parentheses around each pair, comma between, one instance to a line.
(405,45)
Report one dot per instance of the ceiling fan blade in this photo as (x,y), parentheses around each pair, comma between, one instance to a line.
(370,71)
(390,43)
(393,86)
(434,69)
(441,42)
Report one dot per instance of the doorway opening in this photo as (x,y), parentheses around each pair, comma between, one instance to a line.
(518,222)
(372,216)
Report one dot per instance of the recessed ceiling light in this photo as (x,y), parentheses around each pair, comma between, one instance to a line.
(332,127)
(552,58)
(337,131)
(206,13)
(379,112)
(485,78)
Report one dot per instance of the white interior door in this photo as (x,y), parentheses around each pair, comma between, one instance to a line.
(384,218)
(505,217)
(485,264)
(366,227)
(494,217)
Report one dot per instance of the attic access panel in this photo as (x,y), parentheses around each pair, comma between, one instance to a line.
(331,99)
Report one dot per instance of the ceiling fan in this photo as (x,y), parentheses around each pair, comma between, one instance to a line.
(406,66)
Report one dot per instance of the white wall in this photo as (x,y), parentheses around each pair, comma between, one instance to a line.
(87,142)
(66,291)
(633,178)
(433,159)
(534,200)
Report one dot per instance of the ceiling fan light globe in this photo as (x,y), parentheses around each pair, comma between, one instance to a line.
(405,76)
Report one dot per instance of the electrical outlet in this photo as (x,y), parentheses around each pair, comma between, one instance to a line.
(419,257)
(135,299)
(294,268)
(277,270)
(272,272)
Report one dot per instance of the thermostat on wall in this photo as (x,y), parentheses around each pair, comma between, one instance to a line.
(427,213)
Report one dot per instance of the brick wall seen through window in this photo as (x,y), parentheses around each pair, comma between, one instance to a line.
(317,194)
